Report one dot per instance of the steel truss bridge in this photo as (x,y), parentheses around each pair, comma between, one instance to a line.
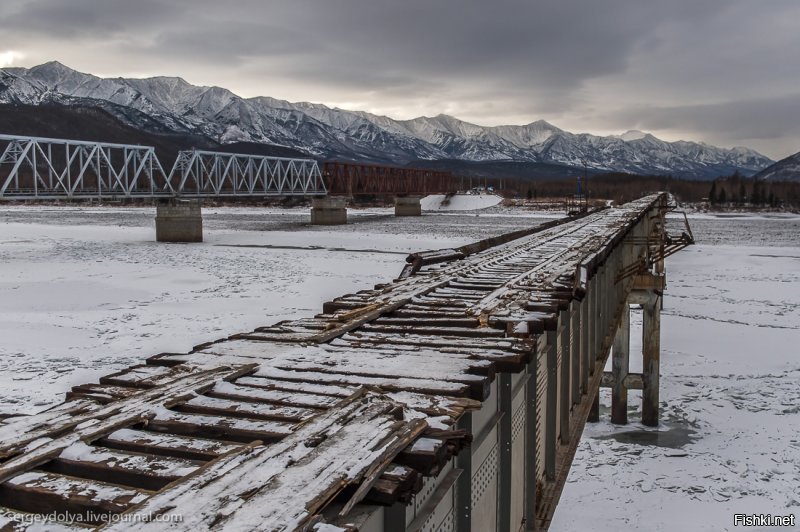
(43,168)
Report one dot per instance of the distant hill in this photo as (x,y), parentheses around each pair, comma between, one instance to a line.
(170,105)
(787,169)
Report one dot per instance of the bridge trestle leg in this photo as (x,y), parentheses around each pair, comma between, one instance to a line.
(179,221)
(407,206)
(650,300)
(620,363)
(329,210)
(651,353)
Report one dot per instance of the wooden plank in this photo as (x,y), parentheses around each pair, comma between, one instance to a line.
(477,389)
(39,492)
(191,448)
(243,392)
(225,428)
(302,387)
(225,407)
(29,443)
(323,457)
(130,469)
(483,332)
(142,376)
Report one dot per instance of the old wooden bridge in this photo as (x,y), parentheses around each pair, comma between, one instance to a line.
(450,399)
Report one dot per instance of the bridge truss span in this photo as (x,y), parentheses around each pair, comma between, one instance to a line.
(45,168)
(208,173)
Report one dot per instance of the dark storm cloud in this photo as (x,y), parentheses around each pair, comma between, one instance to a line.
(585,65)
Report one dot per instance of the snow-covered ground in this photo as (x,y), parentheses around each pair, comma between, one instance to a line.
(84,290)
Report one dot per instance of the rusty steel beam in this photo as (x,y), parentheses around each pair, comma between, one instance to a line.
(355,179)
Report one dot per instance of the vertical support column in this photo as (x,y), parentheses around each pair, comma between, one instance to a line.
(594,412)
(504,502)
(463,508)
(179,221)
(599,302)
(564,395)
(330,210)
(575,351)
(550,436)
(651,355)
(530,444)
(591,320)
(407,206)
(585,358)
(619,368)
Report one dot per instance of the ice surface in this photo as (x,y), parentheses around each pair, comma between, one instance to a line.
(730,395)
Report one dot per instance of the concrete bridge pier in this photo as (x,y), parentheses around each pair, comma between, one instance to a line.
(329,210)
(407,206)
(179,221)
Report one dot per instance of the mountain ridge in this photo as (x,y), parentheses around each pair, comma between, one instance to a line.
(173,104)
(787,169)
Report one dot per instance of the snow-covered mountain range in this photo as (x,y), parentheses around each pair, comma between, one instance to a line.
(170,104)
(787,169)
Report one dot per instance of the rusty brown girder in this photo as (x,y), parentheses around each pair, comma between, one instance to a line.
(355,179)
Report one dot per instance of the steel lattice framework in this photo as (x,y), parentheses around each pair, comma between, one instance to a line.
(43,168)
(207,173)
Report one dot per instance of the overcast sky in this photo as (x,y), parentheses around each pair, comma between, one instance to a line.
(726,72)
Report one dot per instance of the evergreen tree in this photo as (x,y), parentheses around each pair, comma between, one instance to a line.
(742,193)
(723,198)
(712,195)
(757,196)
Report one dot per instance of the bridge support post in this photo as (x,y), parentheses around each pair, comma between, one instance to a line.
(650,300)
(619,368)
(329,211)
(651,365)
(179,221)
(407,206)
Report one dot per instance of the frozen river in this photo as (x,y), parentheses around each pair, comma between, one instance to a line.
(86,290)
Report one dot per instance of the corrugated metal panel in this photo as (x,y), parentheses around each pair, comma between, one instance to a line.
(541,408)
(518,440)
(484,492)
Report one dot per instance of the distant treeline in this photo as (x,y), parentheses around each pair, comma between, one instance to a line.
(734,190)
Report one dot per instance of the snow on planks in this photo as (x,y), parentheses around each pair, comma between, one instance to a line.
(364,396)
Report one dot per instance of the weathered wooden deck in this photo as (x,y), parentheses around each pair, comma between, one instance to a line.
(325,419)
